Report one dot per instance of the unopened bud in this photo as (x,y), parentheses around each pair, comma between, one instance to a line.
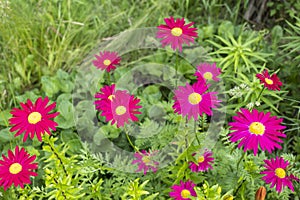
(261,193)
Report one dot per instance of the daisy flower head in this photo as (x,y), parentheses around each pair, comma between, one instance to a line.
(194,100)
(146,162)
(204,162)
(176,33)
(253,129)
(270,82)
(276,174)
(208,72)
(17,168)
(183,191)
(122,108)
(107,60)
(106,94)
(33,119)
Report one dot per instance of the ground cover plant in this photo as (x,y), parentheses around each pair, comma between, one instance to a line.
(149,100)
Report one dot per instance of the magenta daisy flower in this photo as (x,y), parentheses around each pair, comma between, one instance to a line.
(106,94)
(17,168)
(208,72)
(194,100)
(176,33)
(107,60)
(203,162)
(183,191)
(122,108)
(270,82)
(276,174)
(146,162)
(33,119)
(255,129)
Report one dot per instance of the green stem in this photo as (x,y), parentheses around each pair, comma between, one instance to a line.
(257,99)
(195,131)
(56,154)
(130,142)
(4,119)
(62,192)
(240,185)
(108,78)
(240,160)
(176,68)
(202,123)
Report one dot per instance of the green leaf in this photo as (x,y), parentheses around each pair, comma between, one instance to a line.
(65,119)
(269,103)
(20,69)
(6,135)
(4,116)
(50,85)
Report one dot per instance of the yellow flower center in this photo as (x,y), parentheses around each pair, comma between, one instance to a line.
(146,159)
(15,168)
(280,172)
(195,98)
(208,75)
(176,31)
(268,81)
(201,159)
(120,110)
(185,193)
(34,117)
(257,128)
(106,62)
(111,97)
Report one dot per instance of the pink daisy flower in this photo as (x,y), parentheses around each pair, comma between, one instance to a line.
(183,191)
(33,119)
(270,82)
(106,94)
(255,129)
(146,162)
(122,108)
(17,168)
(194,100)
(203,162)
(276,174)
(107,60)
(208,72)
(176,33)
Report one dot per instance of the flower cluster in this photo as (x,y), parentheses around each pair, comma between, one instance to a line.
(32,120)
(256,130)
(252,129)
(191,100)
(117,106)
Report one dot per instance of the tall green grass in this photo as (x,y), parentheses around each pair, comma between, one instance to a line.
(39,37)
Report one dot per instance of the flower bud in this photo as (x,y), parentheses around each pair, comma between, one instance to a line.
(261,193)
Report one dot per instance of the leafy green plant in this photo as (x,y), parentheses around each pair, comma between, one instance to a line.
(136,191)
(292,46)
(236,55)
